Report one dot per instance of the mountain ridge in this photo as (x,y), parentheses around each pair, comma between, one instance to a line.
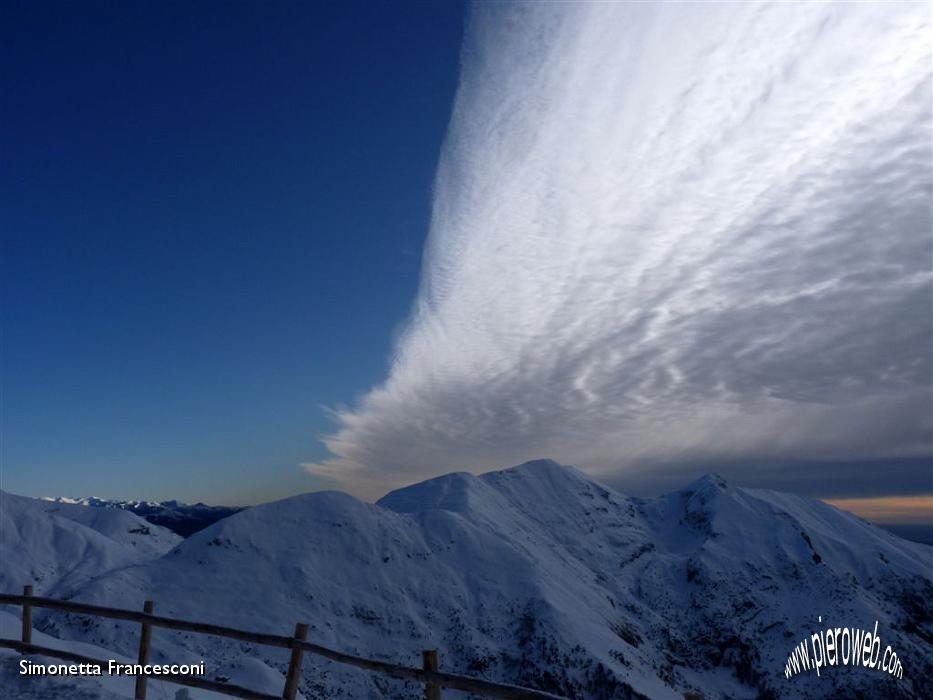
(538,575)
(181,518)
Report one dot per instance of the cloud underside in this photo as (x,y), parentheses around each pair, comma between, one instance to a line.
(666,232)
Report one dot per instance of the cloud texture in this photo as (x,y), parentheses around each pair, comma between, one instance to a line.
(669,231)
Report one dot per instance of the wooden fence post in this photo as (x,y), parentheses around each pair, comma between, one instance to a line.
(27,617)
(145,638)
(432,691)
(294,664)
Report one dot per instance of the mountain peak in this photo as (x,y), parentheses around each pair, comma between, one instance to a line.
(709,482)
(448,492)
(462,491)
(540,465)
(545,470)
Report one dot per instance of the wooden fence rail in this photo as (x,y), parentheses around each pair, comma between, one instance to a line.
(429,675)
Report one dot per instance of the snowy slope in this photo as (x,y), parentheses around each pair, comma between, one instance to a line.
(540,576)
(58,546)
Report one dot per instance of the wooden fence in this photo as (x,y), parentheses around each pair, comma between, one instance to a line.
(429,675)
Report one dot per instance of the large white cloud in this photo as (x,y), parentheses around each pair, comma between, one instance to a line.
(665,231)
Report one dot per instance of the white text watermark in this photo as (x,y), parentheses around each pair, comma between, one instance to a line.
(843,646)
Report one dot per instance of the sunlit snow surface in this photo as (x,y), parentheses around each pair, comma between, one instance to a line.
(538,575)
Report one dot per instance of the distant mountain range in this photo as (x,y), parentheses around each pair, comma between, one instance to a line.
(181,518)
(535,575)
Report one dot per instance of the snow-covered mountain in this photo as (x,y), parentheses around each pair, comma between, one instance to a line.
(59,546)
(181,518)
(540,576)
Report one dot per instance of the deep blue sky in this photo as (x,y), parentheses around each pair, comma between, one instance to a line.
(212,220)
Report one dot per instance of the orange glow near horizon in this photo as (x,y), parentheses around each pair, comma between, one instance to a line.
(889,509)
